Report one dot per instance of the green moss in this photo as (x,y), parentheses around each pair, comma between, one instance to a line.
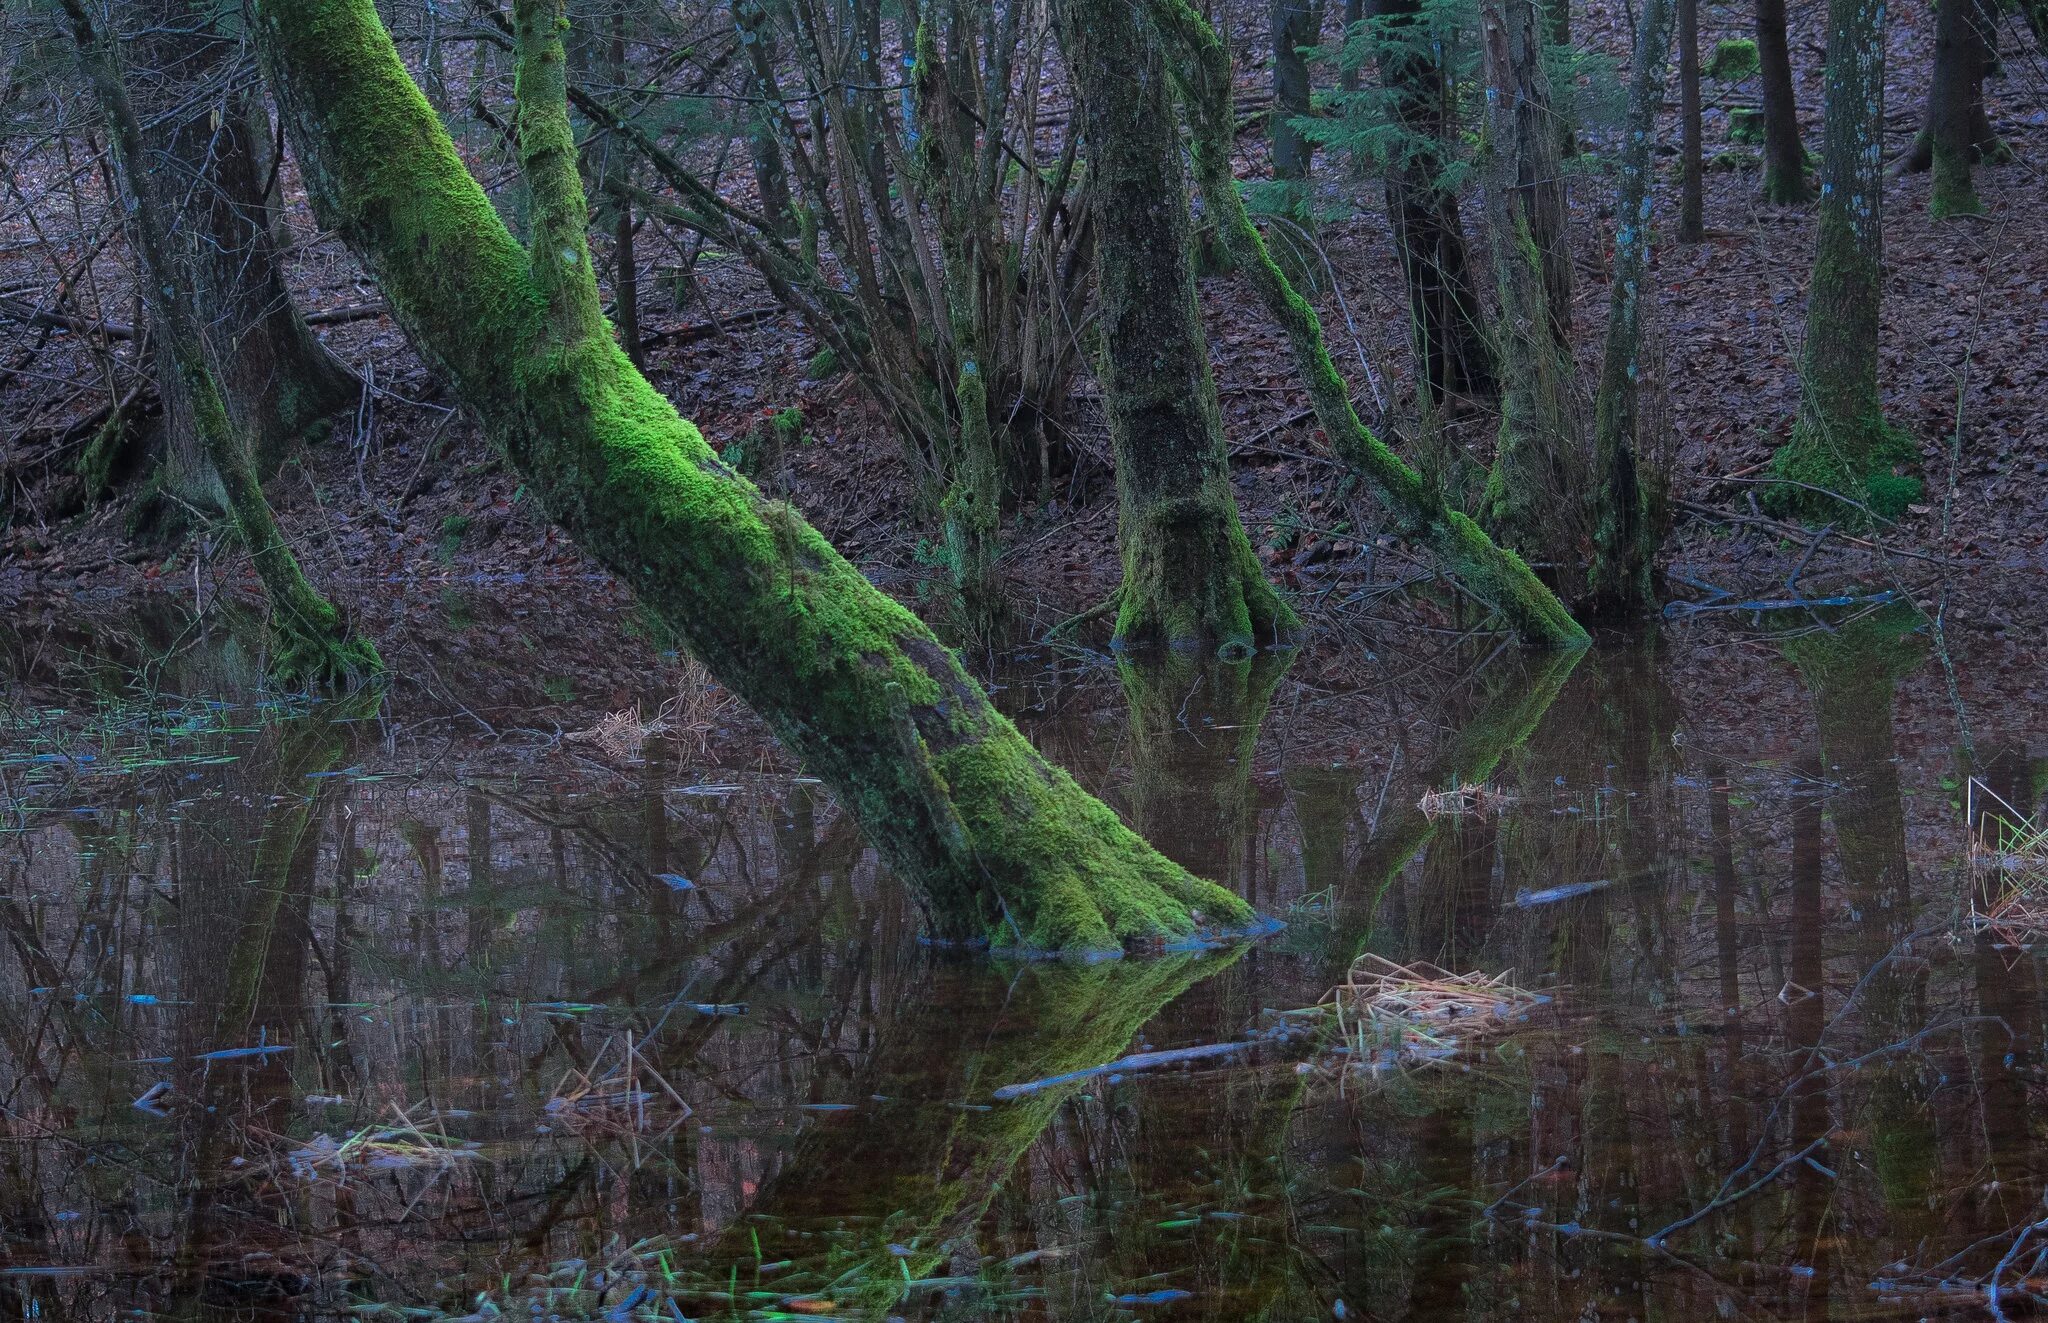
(1746,126)
(951,796)
(1495,575)
(824,365)
(1856,461)
(1734,59)
(1954,193)
(1066,874)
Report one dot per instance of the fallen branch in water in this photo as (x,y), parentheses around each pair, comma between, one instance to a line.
(1136,1061)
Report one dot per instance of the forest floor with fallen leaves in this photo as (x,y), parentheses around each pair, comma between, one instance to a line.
(410,520)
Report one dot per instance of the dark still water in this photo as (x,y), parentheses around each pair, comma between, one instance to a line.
(316,1012)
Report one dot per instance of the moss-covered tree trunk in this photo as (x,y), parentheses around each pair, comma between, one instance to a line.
(210,139)
(1624,532)
(1190,575)
(999,843)
(1498,577)
(312,642)
(1841,446)
(1446,325)
(1784,153)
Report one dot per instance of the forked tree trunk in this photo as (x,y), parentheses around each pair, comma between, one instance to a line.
(280,382)
(1841,453)
(1624,535)
(999,843)
(313,643)
(1784,154)
(1190,575)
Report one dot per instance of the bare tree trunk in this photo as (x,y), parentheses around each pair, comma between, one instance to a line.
(1692,204)
(1538,464)
(1354,12)
(313,642)
(1624,532)
(618,168)
(1293,28)
(1957,132)
(757,36)
(1447,326)
(1784,154)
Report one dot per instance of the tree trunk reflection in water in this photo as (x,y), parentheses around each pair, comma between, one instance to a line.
(924,1184)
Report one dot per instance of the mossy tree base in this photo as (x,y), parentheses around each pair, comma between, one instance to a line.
(1844,474)
(321,653)
(1061,872)
(1785,187)
(1192,582)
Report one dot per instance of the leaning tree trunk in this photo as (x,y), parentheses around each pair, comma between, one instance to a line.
(1501,579)
(1624,535)
(280,382)
(1784,154)
(1958,132)
(1293,24)
(312,641)
(1841,453)
(1446,325)
(1190,575)
(999,843)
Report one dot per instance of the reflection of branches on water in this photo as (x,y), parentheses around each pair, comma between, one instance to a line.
(1746,1181)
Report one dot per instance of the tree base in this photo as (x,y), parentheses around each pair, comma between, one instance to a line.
(1062,874)
(1191,582)
(308,654)
(1843,472)
(1786,188)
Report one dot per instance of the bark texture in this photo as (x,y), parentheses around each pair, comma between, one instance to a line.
(1293,28)
(206,132)
(1446,324)
(1784,154)
(1840,457)
(1538,468)
(999,843)
(1958,132)
(1496,576)
(1624,536)
(1692,164)
(1190,575)
(312,642)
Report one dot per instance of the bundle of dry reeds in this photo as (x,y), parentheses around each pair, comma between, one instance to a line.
(1392,1015)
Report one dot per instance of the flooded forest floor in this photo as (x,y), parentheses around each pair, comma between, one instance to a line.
(482,1001)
